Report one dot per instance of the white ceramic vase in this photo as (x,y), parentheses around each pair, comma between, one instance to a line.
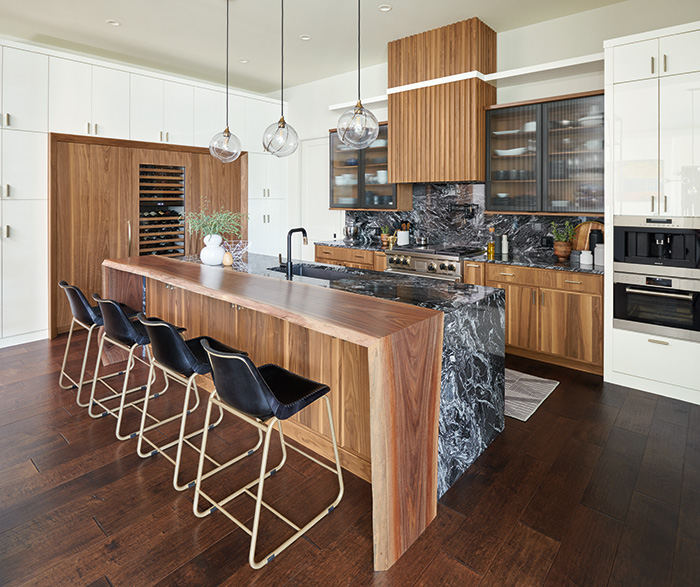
(213,252)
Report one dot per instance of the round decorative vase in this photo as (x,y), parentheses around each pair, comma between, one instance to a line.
(213,252)
(562,250)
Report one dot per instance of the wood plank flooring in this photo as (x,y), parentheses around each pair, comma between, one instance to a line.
(600,487)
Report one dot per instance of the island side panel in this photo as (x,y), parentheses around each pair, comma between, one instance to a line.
(404,408)
(126,288)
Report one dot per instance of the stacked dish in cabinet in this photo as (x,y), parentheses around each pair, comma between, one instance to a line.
(546,157)
(161,205)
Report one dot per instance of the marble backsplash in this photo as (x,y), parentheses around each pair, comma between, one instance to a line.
(438,213)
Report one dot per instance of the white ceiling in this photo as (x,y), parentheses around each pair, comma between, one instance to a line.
(187,37)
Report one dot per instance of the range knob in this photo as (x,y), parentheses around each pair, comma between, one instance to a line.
(443,266)
(406,260)
(451,267)
(432,267)
(391,260)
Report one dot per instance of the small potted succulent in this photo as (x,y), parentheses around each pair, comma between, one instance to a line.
(562,239)
(213,226)
(386,231)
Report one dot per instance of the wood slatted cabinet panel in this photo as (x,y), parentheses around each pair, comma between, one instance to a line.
(571,325)
(349,257)
(438,133)
(521,315)
(472,272)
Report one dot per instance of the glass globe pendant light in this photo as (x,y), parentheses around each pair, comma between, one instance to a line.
(358,127)
(225,146)
(280,138)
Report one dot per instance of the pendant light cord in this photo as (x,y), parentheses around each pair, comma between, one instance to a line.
(358,50)
(228,4)
(282,61)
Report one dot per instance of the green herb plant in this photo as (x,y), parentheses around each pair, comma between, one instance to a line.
(564,233)
(221,222)
(386,229)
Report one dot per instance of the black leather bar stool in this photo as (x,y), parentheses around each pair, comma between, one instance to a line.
(88,317)
(181,360)
(128,335)
(262,397)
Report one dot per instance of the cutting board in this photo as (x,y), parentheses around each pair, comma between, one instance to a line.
(583,231)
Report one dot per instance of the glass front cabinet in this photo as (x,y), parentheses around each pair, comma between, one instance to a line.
(360,179)
(546,157)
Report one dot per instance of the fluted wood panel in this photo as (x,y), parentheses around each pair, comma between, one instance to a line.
(439,133)
(456,48)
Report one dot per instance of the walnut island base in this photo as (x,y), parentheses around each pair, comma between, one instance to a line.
(415,366)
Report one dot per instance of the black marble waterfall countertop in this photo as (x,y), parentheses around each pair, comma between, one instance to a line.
(536,259)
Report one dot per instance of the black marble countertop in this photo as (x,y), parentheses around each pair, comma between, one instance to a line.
(535,259)
(419,291)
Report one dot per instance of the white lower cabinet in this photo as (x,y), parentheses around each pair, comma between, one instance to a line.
(656,358)
(267,227)
(24,267)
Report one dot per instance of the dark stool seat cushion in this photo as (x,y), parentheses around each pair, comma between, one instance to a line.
(292,392)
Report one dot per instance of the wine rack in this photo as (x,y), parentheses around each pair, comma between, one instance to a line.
(161,206)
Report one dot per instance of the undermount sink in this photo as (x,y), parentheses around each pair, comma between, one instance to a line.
(316,272)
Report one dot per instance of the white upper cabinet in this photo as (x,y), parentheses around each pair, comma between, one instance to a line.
(636,61)
(635,134)
(679,53)
(146,107)
(110,103)
(178,113)
(70,91)
(25,101)
(209,115)
(679,145)
(258,116)
(267,177)
(24,162)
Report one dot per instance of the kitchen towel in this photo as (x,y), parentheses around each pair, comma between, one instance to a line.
(525,393)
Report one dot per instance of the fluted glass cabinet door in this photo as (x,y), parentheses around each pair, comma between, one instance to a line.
(513,160)
(573,159)
(345,174)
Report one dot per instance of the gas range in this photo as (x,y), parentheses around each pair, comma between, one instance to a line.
(436,261)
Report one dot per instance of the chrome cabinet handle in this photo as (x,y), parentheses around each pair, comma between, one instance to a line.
(7,119)
(94,129)
(576,282)
(128,232)
(7,190)
(161,136)
(509,274)
(660,294)
(663,342)
(652,203)
(473,265)
(665,62)
(88,128)
(167,136)
(652,64)
(7,231)
(665,203)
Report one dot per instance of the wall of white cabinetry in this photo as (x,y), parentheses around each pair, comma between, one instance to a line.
(42,90)
(652,157)
(267,204)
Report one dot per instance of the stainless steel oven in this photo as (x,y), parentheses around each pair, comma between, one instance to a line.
(657,304)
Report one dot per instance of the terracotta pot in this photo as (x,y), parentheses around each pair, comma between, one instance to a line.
(562,250)
(385,239)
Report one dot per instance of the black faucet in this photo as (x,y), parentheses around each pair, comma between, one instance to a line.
(289,248)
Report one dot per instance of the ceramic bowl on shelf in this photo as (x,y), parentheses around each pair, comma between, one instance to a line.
(500,133)
(351,162)
(530,126)
(502,194)
(510,152)
(595,120)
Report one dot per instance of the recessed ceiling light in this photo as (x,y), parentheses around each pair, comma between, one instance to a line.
(244,61)
(305,37)
(385,7)
(113,22)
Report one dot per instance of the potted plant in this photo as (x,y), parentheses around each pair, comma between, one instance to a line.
(562,239)
(385,235)
(213,226)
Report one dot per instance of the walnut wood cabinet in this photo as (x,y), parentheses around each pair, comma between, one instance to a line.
(349,257)
(437,133)
(97,202)
(553,316)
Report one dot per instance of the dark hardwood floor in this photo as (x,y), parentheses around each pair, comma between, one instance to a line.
(600,487)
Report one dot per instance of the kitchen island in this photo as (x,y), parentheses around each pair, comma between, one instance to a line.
(417,386)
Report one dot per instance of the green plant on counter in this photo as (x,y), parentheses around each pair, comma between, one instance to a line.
(221,222)
(386,229)
(563,234)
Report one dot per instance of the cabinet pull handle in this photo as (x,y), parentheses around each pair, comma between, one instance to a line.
(7,190)
(652,203)
(128,234)
(652,64)
(167,136)
(161,136)
(94,129)
(569,281)
(665,62)
(509,274)
(7,119)
(660,294)
(7,231)
(665,203)
(542,299)
(88,128)
(472,265)
(663,342)
(268,219)
(534,299)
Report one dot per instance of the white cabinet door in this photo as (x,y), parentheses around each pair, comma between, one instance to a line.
(70,90)
(24,267)
(110,103)
(258,116)
(636,61)
(636,148)
(257,224)
(178,113)
(24,165)
(209,115)
(257,175)
(679,144)
(25,90)
(276,170)
(680,53)
(146,107)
